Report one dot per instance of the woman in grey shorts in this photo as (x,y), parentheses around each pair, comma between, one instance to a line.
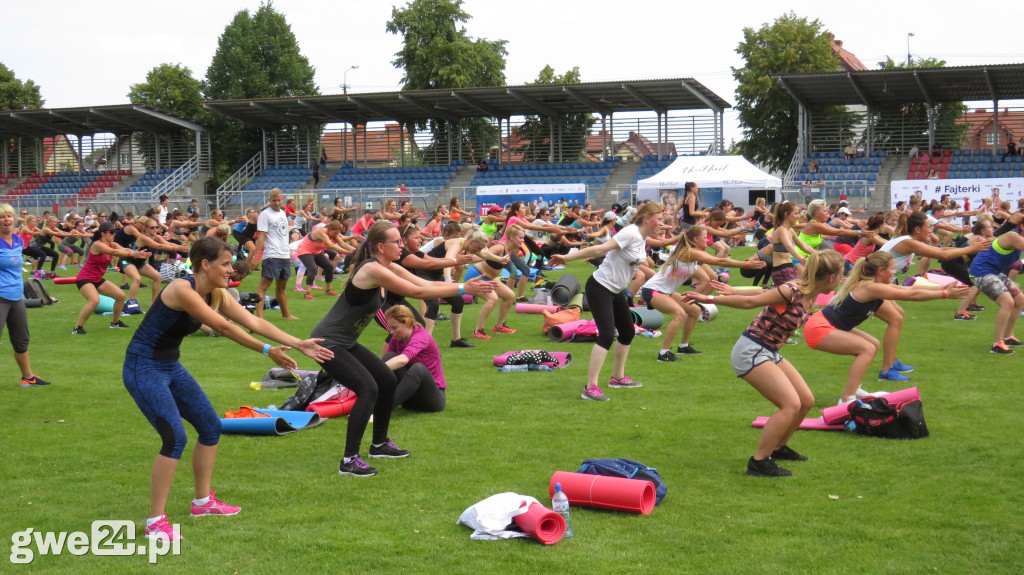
(756,357)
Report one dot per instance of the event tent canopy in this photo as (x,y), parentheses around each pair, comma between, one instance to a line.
(734,175)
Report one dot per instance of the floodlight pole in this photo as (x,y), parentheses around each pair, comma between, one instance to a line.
(344,78)
(909,36)
(344,133)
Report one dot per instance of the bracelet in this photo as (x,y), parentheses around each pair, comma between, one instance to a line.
(860,233)
(462,289)
(711,299)
(745,264)
(266,349)
(943,294)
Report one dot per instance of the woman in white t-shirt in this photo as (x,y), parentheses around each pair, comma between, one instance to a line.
(605,291)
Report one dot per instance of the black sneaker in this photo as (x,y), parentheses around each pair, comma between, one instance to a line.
(1012,341)
(523,299)
(687,350)
(975,307)
(119,325)
(667,356)
(388,449)
(125,286)
(143,286)
(79,330)
(34,381)
(784,453)
(1001,349)
(357,467)
(766,468)
(964,317)
(442,317)
(461,342)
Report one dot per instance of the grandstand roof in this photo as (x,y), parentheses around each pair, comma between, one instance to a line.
(85,121)
(930,85)
(496,102)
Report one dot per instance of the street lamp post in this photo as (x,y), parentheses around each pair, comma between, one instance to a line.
(909,36)
(344,77)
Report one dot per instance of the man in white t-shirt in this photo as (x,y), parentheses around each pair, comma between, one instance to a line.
(273,252)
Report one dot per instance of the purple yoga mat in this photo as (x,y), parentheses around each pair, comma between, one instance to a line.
(815,423)
(565,331)
(564,359)
(536,308)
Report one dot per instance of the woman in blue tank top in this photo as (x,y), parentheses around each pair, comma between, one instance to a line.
(165,391)
(988,273)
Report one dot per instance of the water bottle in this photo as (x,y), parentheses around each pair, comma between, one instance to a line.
(514,368)
(264,385)
(850,425)
(539,367)
(560,504)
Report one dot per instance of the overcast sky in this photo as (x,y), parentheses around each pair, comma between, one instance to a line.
(83,53)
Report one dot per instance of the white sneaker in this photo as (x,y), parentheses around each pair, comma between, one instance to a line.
(850,399)
(862,394)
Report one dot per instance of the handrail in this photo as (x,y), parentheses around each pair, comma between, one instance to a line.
(177,178)
(239,179)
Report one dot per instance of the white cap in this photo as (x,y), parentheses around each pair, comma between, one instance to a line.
(844,211)
(610,215)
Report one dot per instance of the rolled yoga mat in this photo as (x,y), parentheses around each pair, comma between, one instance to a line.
(279,423)
(106,305)
(564,359)
(934,278)
(840,414)
(33,303)
(333,407)
(565,331)
(536,308)
(565,289)
(603,492)
(576,301)
(541,523)
(816,423)
(647,318)
(69,280)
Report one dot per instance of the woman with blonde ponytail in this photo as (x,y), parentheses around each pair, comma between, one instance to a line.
(867,291)
(659,292)
(757,360)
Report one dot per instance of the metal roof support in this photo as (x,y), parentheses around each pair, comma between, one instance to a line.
(366,156)
(996,132)
(643,98)
(589,102)
(21,118)
(795,96)
(707,101)
(322,109)
(499,141)
(263,158)
(860,93)
(472,103)
(102,114)
(360,103)
(239,117)
(448,125)
(428,109)
(924,90)
(659,138)
(551,141)
(172,119)
(87,127)
(537,106)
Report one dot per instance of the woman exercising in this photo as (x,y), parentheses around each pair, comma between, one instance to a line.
(90,280)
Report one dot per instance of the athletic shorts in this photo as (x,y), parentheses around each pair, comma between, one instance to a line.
(995,285)
(816,328)
(784,274)
(137,262)
(83,283)
(276,268)
(748,354)
(474,272)
(648,296)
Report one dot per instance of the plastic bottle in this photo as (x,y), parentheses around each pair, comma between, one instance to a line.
(850,425)
(560,505)
(539,367)
(264,385)
(513,368)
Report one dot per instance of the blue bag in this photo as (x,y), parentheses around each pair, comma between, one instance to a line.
(626,468)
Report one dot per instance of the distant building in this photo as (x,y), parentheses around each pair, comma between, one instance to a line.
(981,132)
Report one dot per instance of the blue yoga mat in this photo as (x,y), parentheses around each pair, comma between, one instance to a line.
(279,423)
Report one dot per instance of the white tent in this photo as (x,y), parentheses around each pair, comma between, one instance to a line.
(734,175)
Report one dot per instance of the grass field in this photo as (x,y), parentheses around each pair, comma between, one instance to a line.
(80,451)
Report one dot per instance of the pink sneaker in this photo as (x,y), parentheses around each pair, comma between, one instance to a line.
(214,507)
(299,288)
(317,287)
(163,529)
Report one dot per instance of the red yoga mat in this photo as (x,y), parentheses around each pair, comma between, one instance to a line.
(840,414)
(333,407)
(603,492)
(536,308)
(541,523)
(70,280)
(816,423)
(564,359)
(565,331)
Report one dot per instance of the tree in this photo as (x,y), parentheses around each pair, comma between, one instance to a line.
(438,53)
(767,113)
(257,57)
(899,127)
(16,94)
(535,133)
(169,87)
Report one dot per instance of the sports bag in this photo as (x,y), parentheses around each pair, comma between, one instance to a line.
(34,289)
(626,468)
(875,417)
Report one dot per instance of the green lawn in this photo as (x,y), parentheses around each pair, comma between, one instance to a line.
(81,451)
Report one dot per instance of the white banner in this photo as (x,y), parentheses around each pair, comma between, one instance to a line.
(1007,189)
(550,190)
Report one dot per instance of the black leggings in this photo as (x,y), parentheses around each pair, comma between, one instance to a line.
(611,312)
(434,305)
(374,385)
(417,390)
(956,268)
(548,250)
(40,253)
(311,261)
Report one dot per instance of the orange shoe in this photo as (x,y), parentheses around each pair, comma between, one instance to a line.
(481,334)
(308,295)
(331,293)
(503,329)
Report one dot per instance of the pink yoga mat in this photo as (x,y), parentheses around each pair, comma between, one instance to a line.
(841,413)
(541,523)
(564,359)
(565,331)
(816,423)
(941,280)
(536,308)
(70,280)
(603,492)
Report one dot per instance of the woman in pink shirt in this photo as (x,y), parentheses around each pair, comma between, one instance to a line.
(413,355)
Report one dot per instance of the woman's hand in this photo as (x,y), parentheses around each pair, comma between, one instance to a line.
(311,348)
(464,259)
(957,292)
(556,260)
(723,288)
(477,286)
(694,297)
(281,358)
(755,262)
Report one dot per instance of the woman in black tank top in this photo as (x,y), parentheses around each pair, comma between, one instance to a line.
(361,370)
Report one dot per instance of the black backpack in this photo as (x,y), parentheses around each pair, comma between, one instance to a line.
(875,417)
(34,290)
